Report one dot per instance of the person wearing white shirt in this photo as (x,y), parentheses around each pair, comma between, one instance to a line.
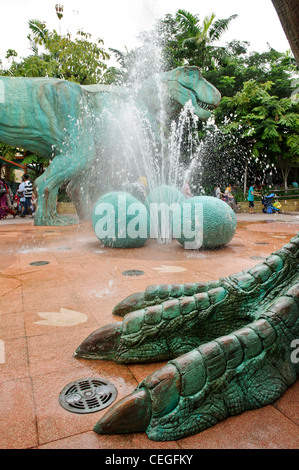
(21,194)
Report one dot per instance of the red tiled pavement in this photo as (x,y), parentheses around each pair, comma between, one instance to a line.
(82,276)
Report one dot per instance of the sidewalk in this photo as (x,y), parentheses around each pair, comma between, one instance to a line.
(59,284)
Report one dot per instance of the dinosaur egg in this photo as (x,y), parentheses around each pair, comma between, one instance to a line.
(164,194)
(120,221)
(204,222)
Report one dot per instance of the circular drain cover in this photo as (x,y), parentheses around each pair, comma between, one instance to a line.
(262,243)
(87,395)
(132,272)
(39,263)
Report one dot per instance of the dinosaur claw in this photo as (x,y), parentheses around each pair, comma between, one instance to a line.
(131,414)
(129,304)
(101,344)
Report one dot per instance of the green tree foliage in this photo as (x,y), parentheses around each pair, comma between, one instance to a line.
(237,66)
(269,123)
(62,56)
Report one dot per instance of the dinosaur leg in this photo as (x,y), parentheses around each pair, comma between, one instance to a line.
(77,192)
(47,186)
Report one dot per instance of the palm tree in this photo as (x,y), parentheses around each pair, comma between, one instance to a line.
(199,39)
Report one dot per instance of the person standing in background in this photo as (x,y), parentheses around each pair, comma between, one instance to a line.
(250,197)
(25,191)
(217,191)
(21,194)
(28,194)
(5,201)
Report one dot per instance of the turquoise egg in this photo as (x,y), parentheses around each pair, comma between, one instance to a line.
(120,221)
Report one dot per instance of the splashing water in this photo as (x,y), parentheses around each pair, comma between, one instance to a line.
(140,144)
(133,143)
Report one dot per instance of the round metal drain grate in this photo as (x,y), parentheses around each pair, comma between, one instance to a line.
(39,263)
(261,243)
(87,395)
(132,272)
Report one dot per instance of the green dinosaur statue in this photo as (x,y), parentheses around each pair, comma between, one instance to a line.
(68,123)
(230,346)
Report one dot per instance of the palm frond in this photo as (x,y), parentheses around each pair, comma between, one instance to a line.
(219,27)
(120,56)
(38,28)
(187,20)
(190,41)
(207,22)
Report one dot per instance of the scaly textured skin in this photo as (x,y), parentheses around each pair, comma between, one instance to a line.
(68,123)
(228,344)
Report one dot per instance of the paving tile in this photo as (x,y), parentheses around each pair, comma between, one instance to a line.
(17,415)
(288,404)
(95,290)
(12,325)
(91,440)
(9,262)
(53,350)
(49,298)
(12,301)
(14,364)
(101,310)
(265,428)
(50,276)
(88,272)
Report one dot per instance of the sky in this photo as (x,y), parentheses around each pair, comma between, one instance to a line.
(119,22)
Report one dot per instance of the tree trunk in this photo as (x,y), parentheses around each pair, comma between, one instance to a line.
(288,13)
(285,174)
(285,169)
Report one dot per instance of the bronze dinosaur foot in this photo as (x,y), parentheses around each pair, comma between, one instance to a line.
(228,343)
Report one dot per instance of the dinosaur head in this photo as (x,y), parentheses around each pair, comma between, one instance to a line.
(186,83)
